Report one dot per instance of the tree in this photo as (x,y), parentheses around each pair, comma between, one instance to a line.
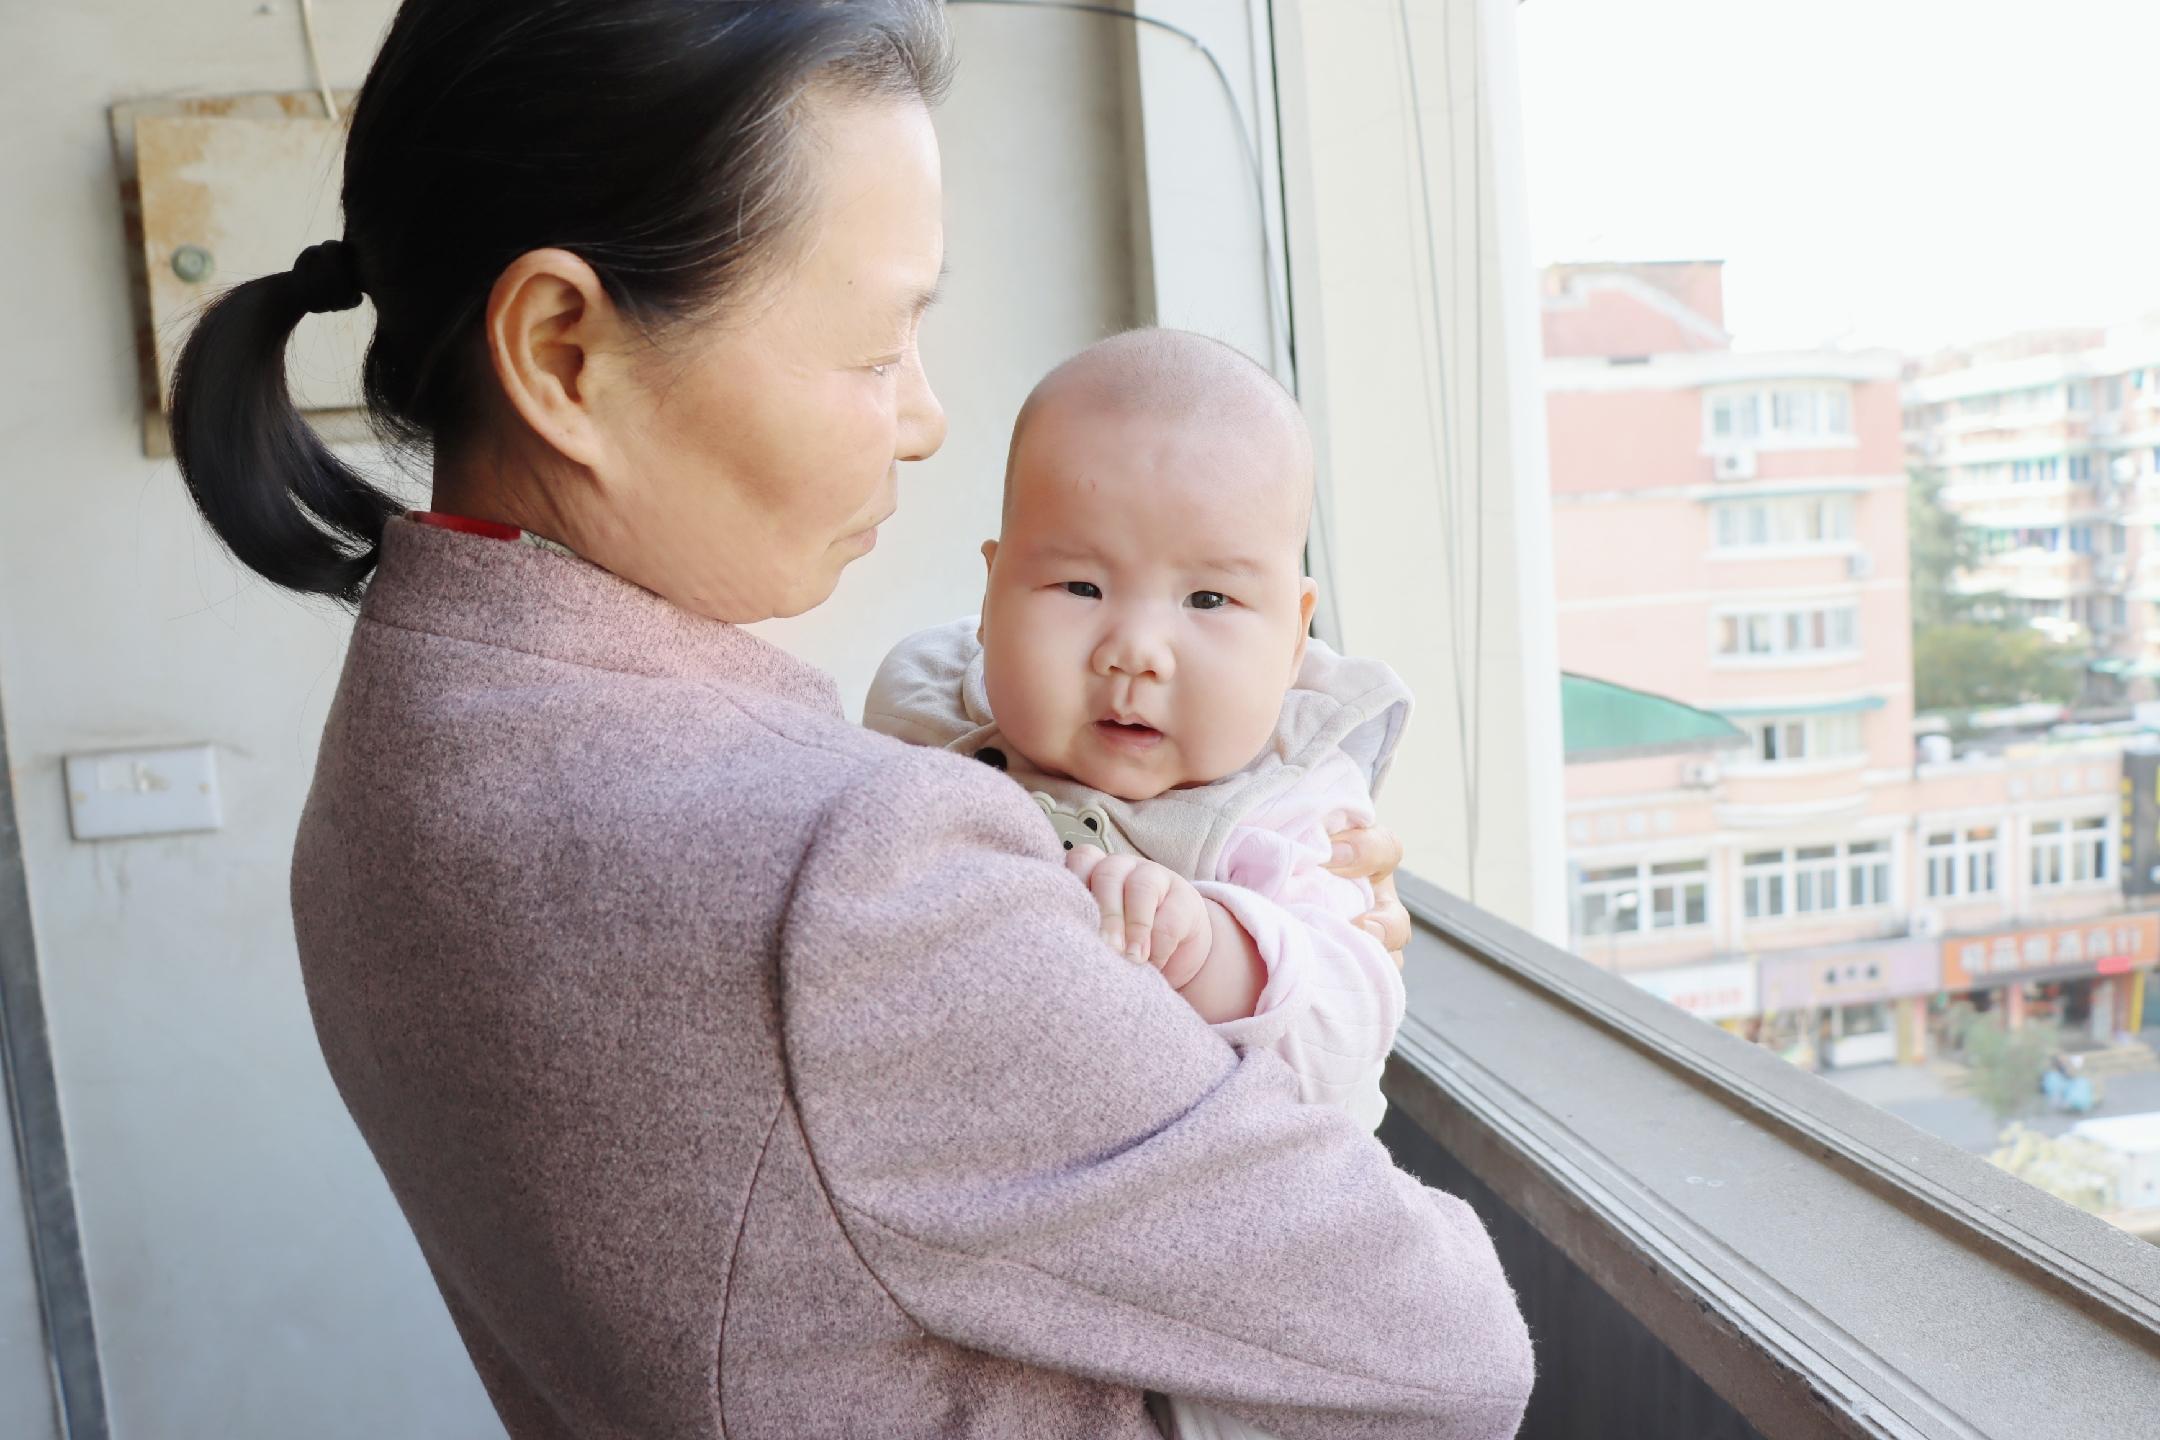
(2005,1064)
(1964,656)
(1974,666)
(1942,546)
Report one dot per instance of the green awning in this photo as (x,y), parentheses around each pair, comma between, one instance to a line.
(1604,721)
(1851,705)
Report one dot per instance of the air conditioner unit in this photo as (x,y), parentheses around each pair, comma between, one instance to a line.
(1699,774)
(1927,924)
(1736,465)
(2123,468)
(1860,565)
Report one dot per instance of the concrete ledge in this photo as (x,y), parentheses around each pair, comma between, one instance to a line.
(1825,1267)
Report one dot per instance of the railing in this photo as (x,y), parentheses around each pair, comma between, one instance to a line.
(1709,1242)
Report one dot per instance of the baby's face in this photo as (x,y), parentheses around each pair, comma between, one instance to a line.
(1147,605)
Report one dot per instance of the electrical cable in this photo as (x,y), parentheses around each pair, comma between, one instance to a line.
(1433,361)
(1277,320)
(322,77)
(1449,496)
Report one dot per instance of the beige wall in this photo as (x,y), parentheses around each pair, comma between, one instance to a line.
(250,1273)
(1417,360)
(1040,245)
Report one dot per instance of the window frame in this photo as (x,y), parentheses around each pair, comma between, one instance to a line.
(2057,847)
(1779,625)
(1797,414)
(1803,870)
(1961,859)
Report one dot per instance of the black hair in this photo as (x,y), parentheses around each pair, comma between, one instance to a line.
(659,140)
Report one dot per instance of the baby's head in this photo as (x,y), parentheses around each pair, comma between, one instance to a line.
(1147,601)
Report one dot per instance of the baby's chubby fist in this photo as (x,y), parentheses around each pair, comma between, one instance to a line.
(1150,914)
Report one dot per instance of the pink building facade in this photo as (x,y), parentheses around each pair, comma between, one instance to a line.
(1729,532)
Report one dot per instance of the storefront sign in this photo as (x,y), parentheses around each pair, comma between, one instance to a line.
(2104,947)
(1719,991)
(2139,853)
(1852,974)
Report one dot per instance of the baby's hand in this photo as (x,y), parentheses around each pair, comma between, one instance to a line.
(1150,913)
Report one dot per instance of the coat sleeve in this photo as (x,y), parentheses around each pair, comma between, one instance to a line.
(1042,1153)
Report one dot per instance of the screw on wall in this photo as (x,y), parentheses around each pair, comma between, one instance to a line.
(192,263)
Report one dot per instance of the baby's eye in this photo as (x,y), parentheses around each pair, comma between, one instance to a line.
(884,368)
(1208,599)
(1085,589)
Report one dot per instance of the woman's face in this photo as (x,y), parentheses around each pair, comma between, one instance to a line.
(757,458)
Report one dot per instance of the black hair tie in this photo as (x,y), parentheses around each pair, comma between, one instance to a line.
(328,277)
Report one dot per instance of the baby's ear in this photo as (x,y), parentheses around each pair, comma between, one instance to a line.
(989,554)
(1308,601)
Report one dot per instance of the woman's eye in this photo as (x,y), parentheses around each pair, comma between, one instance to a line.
(1085,589)
(884,368)
(1209,599)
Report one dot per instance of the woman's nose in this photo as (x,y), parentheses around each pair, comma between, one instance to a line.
(922,419)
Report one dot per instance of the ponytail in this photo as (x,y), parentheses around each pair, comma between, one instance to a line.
(291,511)
(486,131)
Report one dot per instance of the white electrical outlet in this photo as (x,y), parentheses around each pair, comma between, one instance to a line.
(125,793)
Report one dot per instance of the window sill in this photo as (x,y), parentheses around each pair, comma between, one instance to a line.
(1825,550)
(1796,769)
(1819,917)
(1762,1225)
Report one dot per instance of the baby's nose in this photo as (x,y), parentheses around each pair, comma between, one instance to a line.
(1136,651)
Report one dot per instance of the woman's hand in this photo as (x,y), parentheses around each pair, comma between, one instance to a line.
(1373,852)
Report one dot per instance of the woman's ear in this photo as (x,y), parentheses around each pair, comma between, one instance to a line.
(548,317)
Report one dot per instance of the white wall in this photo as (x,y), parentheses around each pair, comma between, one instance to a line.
(250,1274)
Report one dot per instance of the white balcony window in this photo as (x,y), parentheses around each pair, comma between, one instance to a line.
(1790,415)
(1794,632)
(1795,521)
(1964,862)
(1660,895)
(1815,879)
(2069,853)
(1784,740)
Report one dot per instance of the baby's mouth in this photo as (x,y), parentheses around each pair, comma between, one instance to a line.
(1128,735)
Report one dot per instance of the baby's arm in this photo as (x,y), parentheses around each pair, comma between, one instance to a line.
(1333,998)
(1156,917)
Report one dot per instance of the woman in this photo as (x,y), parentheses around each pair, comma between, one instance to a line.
(739,1071)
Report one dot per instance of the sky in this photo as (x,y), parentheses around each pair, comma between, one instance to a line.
(1910,173)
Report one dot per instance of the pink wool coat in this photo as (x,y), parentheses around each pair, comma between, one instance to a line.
(744,1073)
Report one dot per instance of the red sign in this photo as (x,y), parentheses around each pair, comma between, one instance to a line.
(2110,946)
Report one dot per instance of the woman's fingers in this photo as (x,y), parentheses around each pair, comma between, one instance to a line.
(1368,853)
(1388,921)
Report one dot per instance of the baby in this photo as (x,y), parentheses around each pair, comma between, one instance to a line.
(1141,665)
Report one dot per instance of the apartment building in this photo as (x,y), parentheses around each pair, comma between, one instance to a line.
(1729,534)
(2048,445)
